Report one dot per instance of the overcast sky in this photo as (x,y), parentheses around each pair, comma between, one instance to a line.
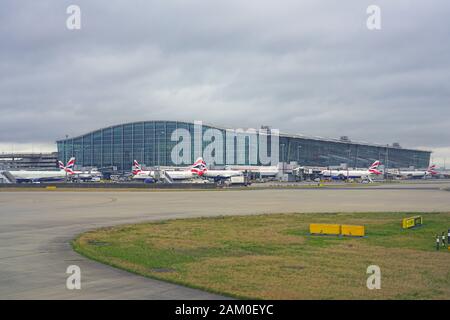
(309,67)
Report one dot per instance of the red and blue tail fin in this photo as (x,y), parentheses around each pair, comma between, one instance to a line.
(68,167)
(199,167)
(431,170)
(374,168)
(136,167)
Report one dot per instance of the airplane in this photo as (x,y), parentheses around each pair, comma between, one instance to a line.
(189,173)
(139,174)
(90,175)
(44,176)
(196,170)
(216,174)
(353,174)
(417,174)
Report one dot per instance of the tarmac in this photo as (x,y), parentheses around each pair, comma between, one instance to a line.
(36,228)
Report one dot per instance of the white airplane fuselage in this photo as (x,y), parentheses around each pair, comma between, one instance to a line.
(142,175)
(87,175)
(174,174)
(412,174)
(346,174)
(39,176)
(221,174)
(181,175)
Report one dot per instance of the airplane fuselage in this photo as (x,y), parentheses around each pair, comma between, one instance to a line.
(413,174)
(181,175)
(221,174)
(142,175)
(346,174)
(87,175)
(38,176)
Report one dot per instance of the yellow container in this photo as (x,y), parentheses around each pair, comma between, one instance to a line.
(354,231)
(412,222)
(319,228)
(50,188)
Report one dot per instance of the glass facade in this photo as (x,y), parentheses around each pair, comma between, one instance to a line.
(151,144)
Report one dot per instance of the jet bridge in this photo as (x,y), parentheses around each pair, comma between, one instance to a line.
(7,177)
(164,176)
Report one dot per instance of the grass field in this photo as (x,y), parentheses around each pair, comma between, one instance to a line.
(274,257)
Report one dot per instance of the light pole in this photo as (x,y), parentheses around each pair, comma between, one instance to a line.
(65,156)
(298,153)
(159,146)
(386,159)
(348,161)
(282,158)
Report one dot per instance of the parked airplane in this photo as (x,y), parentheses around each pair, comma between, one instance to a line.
(352,174)
(198,169)
(216,174)
(191,172)
(417,174)
(44,176)
(87,175)
(140,174)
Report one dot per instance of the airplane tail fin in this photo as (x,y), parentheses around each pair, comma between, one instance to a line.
(375,165)
(431,170)
(136,167)
(70,163)
(68,167)
(199,167)
(374,168)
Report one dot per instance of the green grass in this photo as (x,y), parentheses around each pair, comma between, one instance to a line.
(274,257)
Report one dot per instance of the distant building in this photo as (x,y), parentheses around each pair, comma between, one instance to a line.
(26,161)
(150,142)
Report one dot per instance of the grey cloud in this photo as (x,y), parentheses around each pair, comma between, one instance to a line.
(302,66)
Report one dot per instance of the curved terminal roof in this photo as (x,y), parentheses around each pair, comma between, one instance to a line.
(282,134)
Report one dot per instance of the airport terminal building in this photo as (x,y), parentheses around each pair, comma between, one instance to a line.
(152,144)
